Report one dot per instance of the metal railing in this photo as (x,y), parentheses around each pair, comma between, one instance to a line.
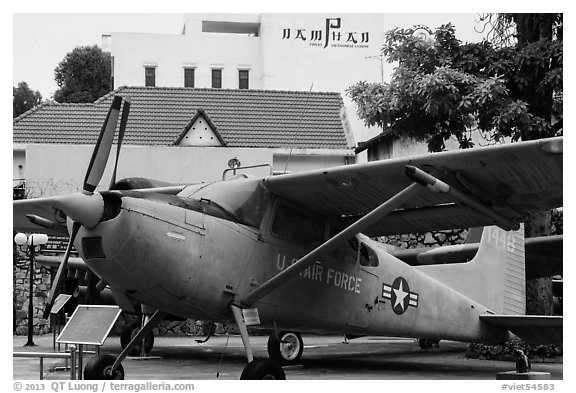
(53,355)
(19,188)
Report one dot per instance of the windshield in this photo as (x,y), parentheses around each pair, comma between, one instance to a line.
(243,198)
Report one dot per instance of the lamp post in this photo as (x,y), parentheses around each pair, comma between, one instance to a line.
(32,241)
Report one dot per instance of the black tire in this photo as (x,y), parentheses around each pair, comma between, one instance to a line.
(427,343)
(423,343)
(263,369)
(130,331)
(287,350)
(99,367)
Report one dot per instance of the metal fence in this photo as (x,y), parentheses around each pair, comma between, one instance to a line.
(53,355)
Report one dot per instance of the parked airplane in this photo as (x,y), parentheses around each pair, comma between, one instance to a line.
(543,256)
(292,253)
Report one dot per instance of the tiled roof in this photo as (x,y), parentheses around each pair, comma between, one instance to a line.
(244,118)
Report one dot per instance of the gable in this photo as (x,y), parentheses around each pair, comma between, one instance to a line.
(199,132)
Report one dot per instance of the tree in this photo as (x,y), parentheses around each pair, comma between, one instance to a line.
(510,86)
(537,35)
(24,99)
(443,89)
(84,75)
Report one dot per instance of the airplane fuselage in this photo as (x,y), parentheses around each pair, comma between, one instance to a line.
(179,259)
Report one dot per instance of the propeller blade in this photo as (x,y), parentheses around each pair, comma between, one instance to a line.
(56,285)
(123,122)
(102,149)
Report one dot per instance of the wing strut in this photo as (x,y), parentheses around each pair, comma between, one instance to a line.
(369,219)
(420,179)
(427,180)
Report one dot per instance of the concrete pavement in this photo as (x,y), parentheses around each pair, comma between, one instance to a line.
(324,358)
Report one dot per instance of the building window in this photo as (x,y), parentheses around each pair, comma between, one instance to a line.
(217,78)
(150,76)
(188,77)
(243,76)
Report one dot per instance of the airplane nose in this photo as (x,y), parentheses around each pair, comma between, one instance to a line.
(143,248)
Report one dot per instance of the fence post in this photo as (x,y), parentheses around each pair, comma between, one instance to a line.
(72,362)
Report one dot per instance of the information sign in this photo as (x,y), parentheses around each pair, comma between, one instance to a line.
(90,325)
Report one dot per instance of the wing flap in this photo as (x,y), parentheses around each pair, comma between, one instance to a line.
(535,329)
(513,180)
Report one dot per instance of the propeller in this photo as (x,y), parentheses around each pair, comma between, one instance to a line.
(56,286)
(86,208)
(123,122)
(102,149)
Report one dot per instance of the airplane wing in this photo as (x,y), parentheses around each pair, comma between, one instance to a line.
(39,215)
(535,329)
(510,180)
(43,214)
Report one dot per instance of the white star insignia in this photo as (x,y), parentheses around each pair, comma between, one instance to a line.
(400,296)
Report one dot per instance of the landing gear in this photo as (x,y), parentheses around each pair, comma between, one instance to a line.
(259,368)
(285,349)
(132,330)
(109,367)
(100,367)
(427,343)
(263,369)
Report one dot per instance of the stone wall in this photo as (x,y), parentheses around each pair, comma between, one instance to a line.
(189,327)
(42,284)
(428,239)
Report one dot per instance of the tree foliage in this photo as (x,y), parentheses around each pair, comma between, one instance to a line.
(24,99)
(442,88)
(84,75)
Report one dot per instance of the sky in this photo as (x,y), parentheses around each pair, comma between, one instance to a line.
(42,40)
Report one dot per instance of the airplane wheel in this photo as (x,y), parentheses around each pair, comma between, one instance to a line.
(427,343)
(287,350)
(100,367)
(130,331)
(263,369)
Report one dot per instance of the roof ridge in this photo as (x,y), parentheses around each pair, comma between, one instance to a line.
(109,94)
(34,109)
(248,91)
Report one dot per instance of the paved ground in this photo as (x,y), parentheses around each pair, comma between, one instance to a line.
(324,358)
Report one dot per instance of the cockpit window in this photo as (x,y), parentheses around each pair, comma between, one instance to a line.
(365,255)
(244,199)
(297,227)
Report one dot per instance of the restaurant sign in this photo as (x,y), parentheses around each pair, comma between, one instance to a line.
(330,35)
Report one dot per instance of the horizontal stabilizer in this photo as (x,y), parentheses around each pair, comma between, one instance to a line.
(544,255)
(55,261)
(535,329)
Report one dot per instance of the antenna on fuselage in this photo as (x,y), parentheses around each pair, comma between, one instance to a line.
(298,128)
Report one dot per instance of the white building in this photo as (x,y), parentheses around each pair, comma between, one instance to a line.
(297,52)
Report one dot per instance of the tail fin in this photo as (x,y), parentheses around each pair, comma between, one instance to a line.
(495,277)
(474,235)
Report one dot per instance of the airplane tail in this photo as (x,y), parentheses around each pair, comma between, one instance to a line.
(495,277)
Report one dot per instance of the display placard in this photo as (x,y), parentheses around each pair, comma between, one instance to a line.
(60,301)
(90,325)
